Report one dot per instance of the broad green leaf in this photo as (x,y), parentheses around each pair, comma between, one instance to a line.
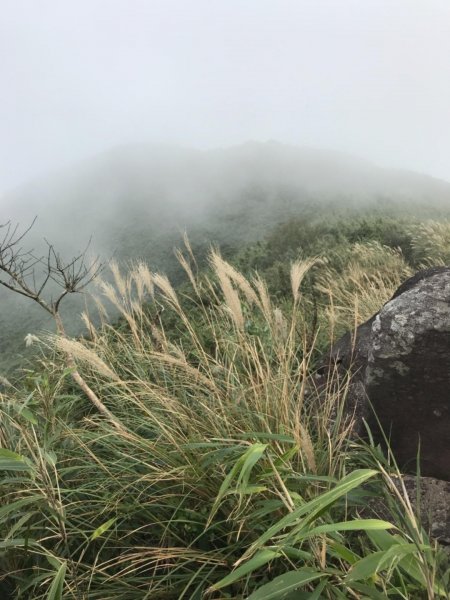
(315,595)
(355,525)
(377,561)
(409,564)
(368,566)
(369,590)
(15,479)
(55,563)
(383,539)
(18,505)
(264,508)
(241,469)
(253,454)
(283,584)
(18,525)
(33,582)
(284,459)
(28,415)
(226,485)
(311,509)
(261,558)
(297,554)
(10,461)
(56,590)
(341,551)
(103,528)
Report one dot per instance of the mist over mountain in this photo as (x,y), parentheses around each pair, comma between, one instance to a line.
(224,243)
(135,201)
(178,187)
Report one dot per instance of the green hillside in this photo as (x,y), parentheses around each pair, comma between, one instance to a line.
(135,203)
(180,448)
(209,467)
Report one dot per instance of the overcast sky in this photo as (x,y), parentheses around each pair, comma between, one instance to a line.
(369,77)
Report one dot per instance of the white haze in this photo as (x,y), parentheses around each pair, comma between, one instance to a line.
(126,120)
(371,78)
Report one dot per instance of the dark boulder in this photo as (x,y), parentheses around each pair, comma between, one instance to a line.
(400,360)
(431,499)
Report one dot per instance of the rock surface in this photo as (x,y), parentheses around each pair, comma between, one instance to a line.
(400,360)
(431,501)
(433,505)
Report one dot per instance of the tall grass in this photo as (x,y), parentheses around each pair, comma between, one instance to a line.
(430,243)
(232,475)
(363,277)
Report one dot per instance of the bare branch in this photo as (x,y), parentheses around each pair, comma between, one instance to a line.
(19,275)
(20,267)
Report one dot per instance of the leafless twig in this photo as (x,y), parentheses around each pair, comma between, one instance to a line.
(28,275)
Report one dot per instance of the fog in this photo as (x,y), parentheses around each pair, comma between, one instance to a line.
(133,120)
(368,78)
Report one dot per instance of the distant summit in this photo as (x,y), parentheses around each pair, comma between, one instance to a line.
(162,181)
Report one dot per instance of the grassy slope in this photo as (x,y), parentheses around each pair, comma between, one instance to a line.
(223,458)
(135,201)
(221,440)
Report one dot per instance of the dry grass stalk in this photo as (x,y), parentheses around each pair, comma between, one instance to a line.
(124,306)
(83,354)
(188,247)
(89,325)
(119,281)
(231,296)
(264,299)
(370,276)
(143,279)
(225,270)
(187,269)
(298,272)
(163,284)
(280,325)
(307,448)
(102,312)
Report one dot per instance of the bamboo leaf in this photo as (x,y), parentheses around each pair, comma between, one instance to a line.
(103,528)
(241,469)
(373,563)
(18,505)
(311,509)
(341,551)
(315,595)
(355,525)
(252,456)
(56,590)
(260,559)
(10,461)
(283,584)
(28,415)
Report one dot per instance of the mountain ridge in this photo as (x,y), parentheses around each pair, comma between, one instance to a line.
(136,201)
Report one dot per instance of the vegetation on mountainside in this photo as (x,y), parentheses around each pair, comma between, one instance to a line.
(231,476)
(135,201)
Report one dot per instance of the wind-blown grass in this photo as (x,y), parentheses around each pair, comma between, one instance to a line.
(232,476)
